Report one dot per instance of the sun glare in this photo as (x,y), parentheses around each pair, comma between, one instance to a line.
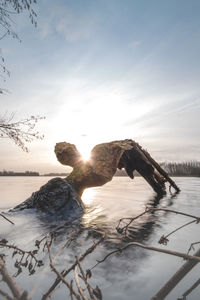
(85,151)
(85,155)
(88,196)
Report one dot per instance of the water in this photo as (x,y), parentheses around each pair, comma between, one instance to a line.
(133,274)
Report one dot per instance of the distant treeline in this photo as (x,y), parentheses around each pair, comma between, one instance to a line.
(191,168)
(11,173)
(121,173)
(56,174)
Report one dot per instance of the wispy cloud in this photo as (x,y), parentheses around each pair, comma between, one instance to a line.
(75,28)
(135,44)
(45,29)
(64,20)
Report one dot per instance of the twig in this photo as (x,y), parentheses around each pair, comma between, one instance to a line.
(170,252)
(85,279)
(164,239)
(65,272)
(21,132)
(175,212)
(68,240)
(120,230)
(71,288)
(59,274)
(184,225)
(131,220)
(5,295)
(20,251)
(192,246)
(7,219)
(8,279)
(78,284)
(189,291)
(27,259)
(176,278)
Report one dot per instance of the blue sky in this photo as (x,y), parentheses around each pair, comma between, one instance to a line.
(101,70)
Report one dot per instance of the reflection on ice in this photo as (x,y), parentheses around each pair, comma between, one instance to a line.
(88,196)
(91,215)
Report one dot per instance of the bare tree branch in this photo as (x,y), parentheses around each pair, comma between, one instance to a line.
(7,219)
(189,291)
(176,278)
(78,284)
(85,278)
(164,239)
(27,259)
(148,210)
(21,132)
(8,8)
(65,272)
(192,246)
(5,295)
(170,252)
(59,274)
(8,279)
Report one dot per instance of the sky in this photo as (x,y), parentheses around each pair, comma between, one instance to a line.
(103,70)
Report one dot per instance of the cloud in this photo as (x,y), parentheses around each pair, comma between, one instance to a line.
(45,30)
(74,28)
(135,44)
(74,25)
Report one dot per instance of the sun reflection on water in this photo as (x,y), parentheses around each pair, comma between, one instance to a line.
(92,212)
(91,216)
(88,196)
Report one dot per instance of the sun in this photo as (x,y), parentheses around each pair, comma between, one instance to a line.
(85,151)
(85,155)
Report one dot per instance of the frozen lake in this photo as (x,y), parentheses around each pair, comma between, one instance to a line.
(135,273)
